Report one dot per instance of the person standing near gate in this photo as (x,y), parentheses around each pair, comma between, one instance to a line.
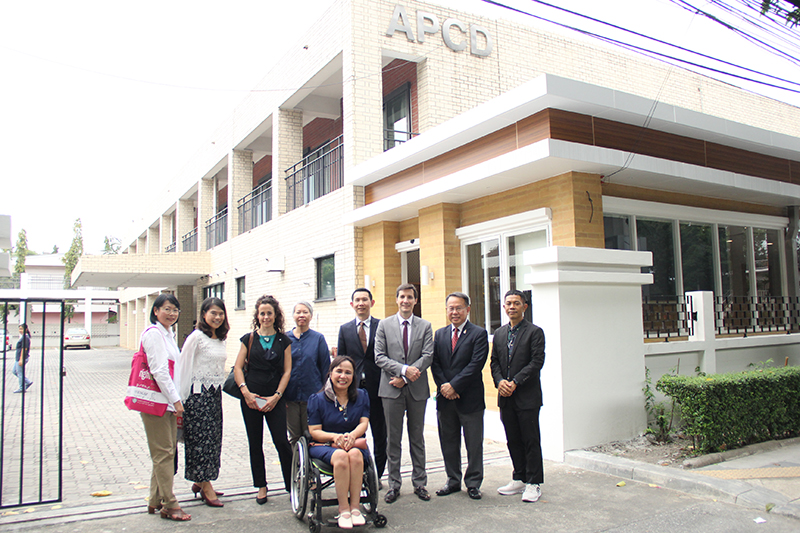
(517,359)
(460,351)
(403,351)
(23,353)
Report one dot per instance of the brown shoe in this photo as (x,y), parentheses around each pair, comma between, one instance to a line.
(175,514)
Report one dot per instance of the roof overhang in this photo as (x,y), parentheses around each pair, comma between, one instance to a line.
(141,270)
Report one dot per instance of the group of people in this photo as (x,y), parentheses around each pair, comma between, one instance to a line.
(378,377)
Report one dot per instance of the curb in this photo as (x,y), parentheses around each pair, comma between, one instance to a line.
(729,491)
(721,457)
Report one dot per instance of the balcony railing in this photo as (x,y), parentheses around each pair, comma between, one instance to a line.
(758,314)
(667,316)
(392,138)
(171,248)
(310,179)
(217,229)
(190,241)
(255,208)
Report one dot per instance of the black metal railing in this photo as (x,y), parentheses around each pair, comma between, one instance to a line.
(667,316)
(171,248)
(31,421)
(217,229)
(310,179)
(256,207)
(190,241)
(392,138)
(756,314)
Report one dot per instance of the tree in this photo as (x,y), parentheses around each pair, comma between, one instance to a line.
(21,252)
(74,253)
(111,245)
(784,9)
(55,249)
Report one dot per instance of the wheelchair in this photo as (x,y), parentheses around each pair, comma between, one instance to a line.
(311,476)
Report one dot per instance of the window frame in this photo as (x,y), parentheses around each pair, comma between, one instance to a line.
(318,263)
(241,301)
(211,290)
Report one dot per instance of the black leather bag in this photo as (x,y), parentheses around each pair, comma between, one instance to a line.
(230,386)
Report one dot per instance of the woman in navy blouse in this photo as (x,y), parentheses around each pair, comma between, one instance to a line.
(338,417)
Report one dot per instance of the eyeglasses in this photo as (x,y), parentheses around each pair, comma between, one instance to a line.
(456,309)
(171,311)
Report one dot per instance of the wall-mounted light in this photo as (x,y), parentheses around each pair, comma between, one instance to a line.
(425,274)
(367,281)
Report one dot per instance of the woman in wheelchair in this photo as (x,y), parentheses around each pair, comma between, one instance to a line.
(338,417)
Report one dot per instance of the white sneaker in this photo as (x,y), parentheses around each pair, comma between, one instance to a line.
(515,487)
(532,493)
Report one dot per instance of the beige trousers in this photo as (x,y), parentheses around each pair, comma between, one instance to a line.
(162,438)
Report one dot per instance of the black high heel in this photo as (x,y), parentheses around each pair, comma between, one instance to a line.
(262,501)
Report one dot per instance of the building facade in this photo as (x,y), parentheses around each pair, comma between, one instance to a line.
(402,141)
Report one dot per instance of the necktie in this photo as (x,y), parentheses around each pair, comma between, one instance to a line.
(362,335)
(455,340)
(405,337)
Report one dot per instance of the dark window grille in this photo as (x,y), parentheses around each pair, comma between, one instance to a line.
(667,316)
(190,241)
(256,207)
(315,177)
(756,314)
(217,229)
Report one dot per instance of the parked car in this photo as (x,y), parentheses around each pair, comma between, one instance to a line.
(77,338)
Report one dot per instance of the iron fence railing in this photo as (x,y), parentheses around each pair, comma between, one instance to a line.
(310,179)
(190,241)
(171,248)
(392,138)
(255,208)
(217,229)
(756,314)
(667,316)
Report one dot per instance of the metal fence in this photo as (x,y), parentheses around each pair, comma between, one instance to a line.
(756,314)
(255,208)
(190,241)
(667,316)
(217,229)
(31,420)
(171,248)
(310,179)
(392,138)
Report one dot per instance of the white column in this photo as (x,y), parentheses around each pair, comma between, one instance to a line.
(87,314)
(588,301)
(704,334)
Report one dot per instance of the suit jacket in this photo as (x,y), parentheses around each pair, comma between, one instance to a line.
(527,359)
(350,345)
(462,367)
(389,355)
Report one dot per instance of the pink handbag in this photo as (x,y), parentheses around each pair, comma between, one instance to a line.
(144,395)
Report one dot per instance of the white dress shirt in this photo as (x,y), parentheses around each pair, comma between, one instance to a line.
(160,346)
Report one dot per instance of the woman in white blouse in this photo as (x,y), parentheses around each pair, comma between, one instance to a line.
(162,352)
(202,373)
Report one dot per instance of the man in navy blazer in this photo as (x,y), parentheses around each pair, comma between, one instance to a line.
(353,336)
(459,355)
(517,358)
(403,351)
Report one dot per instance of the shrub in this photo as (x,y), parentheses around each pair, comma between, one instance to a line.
(724,411)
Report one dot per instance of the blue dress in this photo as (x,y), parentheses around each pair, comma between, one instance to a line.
(322,411)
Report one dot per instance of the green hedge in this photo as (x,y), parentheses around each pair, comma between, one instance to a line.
(724,411)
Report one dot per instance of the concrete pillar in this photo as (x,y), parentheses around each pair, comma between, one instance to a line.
(424,105)
(133,340)
(87,314)
(140,319)
(382,265)
(205,210)
(704,334)
(287,149)
(165,233)
(440,251)
(122,319)
(790,244)
(588,301)
(141,245)
(189,308)
(577,206)
(184,219)
(240,182)
(153,240)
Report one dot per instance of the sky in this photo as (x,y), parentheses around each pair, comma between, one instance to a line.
(102,103)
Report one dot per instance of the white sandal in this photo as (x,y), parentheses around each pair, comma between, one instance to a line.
(344,520)
(357,518)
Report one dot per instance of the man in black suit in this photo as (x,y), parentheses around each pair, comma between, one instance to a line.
(357,340)
(459,355)
(517,359)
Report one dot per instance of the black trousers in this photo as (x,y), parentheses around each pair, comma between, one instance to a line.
(377,425)
(524,443)
(254,425)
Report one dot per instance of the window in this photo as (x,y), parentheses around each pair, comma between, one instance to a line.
(492,255)
(240,300)
(326,278)
(397,117)
(217,291)
(697,256)
(656,236)
(766,251)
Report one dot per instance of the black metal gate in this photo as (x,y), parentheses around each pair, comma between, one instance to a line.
(32,420)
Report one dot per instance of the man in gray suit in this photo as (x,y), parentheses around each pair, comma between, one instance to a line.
(404,351)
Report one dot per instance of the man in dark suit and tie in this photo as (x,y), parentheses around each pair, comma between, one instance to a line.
(459,355)
(517,359)
(403,351)
(357,340)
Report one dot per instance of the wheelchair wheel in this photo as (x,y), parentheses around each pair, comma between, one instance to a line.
(380,521)
(370,486)
(300,473)
(313,525)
